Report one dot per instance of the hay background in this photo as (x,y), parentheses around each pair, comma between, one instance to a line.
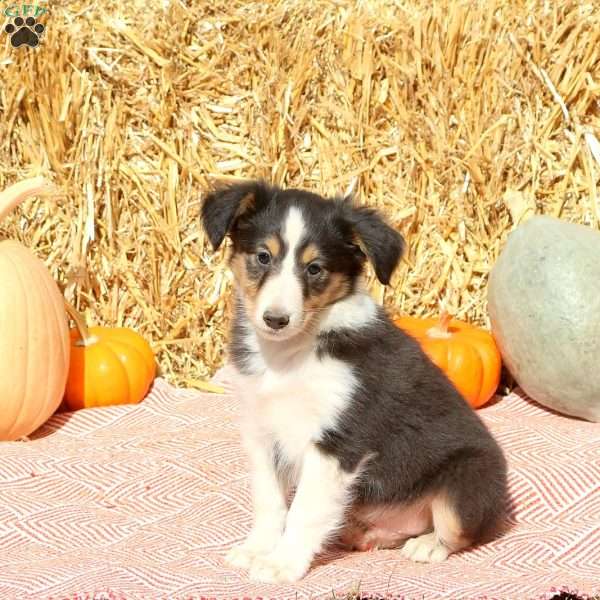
(444,116)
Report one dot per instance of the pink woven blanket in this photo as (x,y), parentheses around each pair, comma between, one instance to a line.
(144,501)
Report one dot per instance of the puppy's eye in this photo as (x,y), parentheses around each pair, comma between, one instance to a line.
(314,269)
(264,258)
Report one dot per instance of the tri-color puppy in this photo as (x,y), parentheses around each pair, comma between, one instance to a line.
(338,402)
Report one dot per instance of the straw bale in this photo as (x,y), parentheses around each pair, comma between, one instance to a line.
(456,118)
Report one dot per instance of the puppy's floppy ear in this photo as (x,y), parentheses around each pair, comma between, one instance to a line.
(224,205)
(383,245)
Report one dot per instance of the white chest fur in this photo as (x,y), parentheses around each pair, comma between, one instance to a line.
(292,406)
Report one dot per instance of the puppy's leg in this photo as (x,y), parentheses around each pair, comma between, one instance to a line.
(317,511)
(468,507)
(447,536)
(269,506)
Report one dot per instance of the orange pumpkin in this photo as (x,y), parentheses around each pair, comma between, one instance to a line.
(467,355)
(109,365)
(34,333)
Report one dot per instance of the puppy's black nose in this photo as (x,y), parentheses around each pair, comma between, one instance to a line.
(276,320)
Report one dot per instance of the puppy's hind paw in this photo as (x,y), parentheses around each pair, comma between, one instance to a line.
(425,548)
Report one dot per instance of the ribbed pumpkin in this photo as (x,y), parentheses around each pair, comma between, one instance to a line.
(109,365)
(34,333)
(467,355)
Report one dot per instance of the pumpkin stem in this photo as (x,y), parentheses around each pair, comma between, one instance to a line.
(441,329)
(84,333)
(14,194)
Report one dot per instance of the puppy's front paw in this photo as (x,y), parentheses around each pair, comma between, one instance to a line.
(425,548)
(241,556)
(257,544)
(278,567)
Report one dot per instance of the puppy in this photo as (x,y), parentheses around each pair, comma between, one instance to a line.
(338,402)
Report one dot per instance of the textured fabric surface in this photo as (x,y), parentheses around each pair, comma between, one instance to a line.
(144,501)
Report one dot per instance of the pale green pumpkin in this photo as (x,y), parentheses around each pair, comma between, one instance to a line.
(544,307)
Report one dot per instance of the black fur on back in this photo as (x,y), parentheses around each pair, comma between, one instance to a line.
(421,434)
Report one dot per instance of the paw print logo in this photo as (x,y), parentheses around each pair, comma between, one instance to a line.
(24,32)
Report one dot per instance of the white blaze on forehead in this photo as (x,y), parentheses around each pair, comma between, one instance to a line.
(282,292)
(293,231)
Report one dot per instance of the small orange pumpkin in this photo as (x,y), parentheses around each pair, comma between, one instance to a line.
(468,355)
(109,365)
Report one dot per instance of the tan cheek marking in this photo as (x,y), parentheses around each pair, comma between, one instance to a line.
(273,246)
(338,287)
(247,285)
(309,254)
